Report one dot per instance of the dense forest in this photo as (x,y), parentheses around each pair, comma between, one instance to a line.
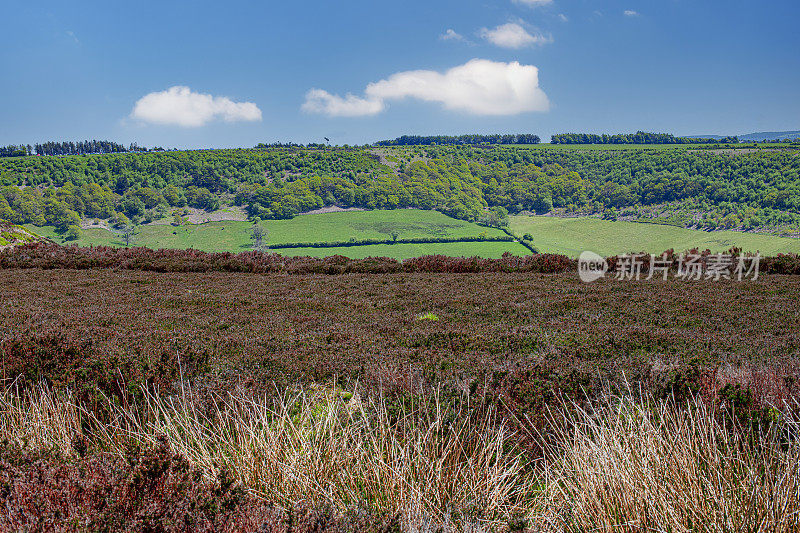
(683,187)
(640,137)
(417,140)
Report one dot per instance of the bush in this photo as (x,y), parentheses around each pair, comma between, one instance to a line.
(73,233)
(120,221)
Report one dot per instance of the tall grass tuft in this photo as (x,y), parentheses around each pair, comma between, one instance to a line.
(40,418)
(654,466)
(433,467)
(616,465)
(316,447)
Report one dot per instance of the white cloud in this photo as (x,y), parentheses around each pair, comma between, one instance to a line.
(630,13)
(479,87)
(74,38)
(563,17)
(533,3)
(512,35)
(451,35)
(321,101)
(180,106)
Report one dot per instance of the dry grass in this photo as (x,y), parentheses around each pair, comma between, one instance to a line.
(40,418)
(620,466)
(434,467)
(651,466)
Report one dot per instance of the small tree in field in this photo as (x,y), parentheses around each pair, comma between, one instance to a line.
(259,235)
(128,234)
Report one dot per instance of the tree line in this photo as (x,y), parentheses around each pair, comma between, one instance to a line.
(640,137)
(410,140)
(13,150)
(72,148)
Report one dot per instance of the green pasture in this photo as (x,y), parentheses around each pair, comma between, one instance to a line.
(405,251)
(234,236)
(378,224)
(571,236)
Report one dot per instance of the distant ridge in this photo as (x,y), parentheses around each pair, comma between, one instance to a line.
(769,135)
(758,136)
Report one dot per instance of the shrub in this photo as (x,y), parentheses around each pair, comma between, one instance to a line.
(73,233)
(50,256)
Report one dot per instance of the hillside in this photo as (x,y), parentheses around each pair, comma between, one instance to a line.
(571,236)
(757,137)
(12,235)
(702,189)
(770,135)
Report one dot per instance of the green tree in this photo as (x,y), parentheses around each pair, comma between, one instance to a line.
(174,196)
(259,234)
(497,217)
(128,234)
(73,233)
(6,213)
(132,206)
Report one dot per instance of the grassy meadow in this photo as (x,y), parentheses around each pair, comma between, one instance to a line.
(223,236)
(571,236)
(568,236)
(234,236)
(341,226)
(490,250)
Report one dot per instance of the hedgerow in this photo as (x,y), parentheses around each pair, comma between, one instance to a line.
(51,256)
(367,242)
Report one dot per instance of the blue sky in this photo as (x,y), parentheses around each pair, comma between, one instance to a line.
(219,74)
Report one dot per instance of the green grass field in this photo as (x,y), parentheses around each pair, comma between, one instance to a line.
(568,236)
(234,236)
(405,251)
(571,236)
(408,223)
(227,236)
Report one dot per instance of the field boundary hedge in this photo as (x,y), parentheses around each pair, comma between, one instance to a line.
(521,240)
(369,242)
(53,256)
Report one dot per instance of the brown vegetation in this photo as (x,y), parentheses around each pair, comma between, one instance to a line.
(525,338)
(332,461)
(310,402)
